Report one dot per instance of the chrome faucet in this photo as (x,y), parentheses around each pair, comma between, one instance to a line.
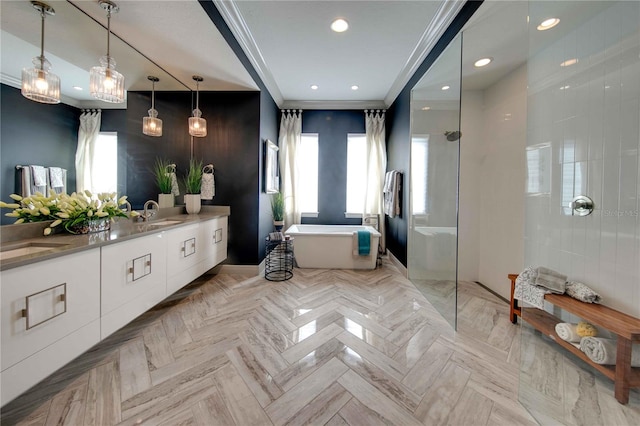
(146,215)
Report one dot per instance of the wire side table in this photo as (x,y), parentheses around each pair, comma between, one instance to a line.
(279,260)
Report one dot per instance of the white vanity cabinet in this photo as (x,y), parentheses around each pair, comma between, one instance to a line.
(133,279)
(193,250)
(50,314)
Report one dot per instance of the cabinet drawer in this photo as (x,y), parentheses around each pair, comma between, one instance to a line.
(184,248)
(43,302)
(132,268)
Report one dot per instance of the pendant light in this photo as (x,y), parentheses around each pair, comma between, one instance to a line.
(152,125)
(197,124)
(38,83)
(105,83)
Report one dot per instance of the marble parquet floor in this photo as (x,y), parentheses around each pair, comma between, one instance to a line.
(326,347)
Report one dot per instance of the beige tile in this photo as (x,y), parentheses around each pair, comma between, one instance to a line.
(355,413)
(270,358)
(254,375)
(472,409)
(367,336)
(376,400)
(134,374)
(283,409)
(278,339)
(68,406)
(157,346)
(365,321)
(103,395)
(388,365)
(443,395)
(212,411)
(421,377)
(322,408)
(308,345)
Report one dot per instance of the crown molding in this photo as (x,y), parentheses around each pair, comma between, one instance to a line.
(333,105)
(10,80)
(444,16)
(240,30)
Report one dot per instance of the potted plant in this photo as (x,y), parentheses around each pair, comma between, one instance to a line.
(163,180)
(192,183)
(277,210)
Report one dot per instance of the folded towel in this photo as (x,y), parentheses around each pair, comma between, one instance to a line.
(208,187)
(603,351)
(39,175)
(55,176)
(582,293)
(568,332)
(364,243)
(527,291)
(175,189)
(551,280)
(276,236)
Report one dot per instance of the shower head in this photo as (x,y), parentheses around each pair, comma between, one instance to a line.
(453,136)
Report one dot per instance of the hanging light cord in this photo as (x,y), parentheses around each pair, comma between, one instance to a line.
(42,14)
(197,94)
(108,35)
(153,94)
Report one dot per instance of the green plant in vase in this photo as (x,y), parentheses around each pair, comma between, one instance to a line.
(163,180)
(277,210)
(192,184)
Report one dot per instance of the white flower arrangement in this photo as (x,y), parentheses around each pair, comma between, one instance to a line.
(67,210)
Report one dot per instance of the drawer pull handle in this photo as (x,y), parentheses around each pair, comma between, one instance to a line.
(33,298)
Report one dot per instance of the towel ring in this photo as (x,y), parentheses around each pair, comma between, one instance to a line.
(171,168)
(208,169)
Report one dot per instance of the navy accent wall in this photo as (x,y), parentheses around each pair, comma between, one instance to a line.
(332,128)
(268,121)
(34,133)
(398,126)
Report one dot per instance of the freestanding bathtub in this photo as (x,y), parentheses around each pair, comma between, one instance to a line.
(332,246)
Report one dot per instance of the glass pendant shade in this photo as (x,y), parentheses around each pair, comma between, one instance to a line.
(197,124)
(105,83)
(152,125)
(38,83)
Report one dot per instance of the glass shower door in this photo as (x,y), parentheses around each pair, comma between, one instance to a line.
(435,142)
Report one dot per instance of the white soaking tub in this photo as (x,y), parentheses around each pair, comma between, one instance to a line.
(332,246)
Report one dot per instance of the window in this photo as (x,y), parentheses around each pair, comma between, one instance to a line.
(104,170)
(307,161)
(419,174)
(356,173)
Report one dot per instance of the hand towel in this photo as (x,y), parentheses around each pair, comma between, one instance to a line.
(38,180)
(208,187)
(582,293)
(175,189)
(567,332)
(364,243)
(551,280)
(55,176)
(603,351)
(527,291)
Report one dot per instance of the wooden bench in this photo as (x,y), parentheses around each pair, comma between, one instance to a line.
(625,327)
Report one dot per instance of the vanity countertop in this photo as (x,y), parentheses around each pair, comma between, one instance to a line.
(29,249)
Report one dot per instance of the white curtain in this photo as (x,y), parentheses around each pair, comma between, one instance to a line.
(85,153)
(376,160)
(289,143)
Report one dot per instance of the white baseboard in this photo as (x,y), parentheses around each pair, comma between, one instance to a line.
(397,264)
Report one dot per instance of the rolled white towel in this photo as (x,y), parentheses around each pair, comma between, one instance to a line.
(567,332)
(603,351)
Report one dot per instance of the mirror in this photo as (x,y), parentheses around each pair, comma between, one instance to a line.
(271,178)
(73,43)
(435,136)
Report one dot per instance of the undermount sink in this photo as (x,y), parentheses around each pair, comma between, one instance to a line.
(164,223)
(26,249)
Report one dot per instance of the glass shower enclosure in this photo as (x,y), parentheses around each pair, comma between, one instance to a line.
(435,145)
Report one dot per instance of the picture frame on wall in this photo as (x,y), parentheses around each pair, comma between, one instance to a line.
(271,175)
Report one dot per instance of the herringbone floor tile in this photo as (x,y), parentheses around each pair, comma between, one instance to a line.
(328,347)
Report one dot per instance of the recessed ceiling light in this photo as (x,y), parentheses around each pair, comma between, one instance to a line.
(354,87)
(569,62)
(314,87)
(426,108)
(77,88)
(482,62)
(548,24)
(565,87)
(446,87)
(339,25)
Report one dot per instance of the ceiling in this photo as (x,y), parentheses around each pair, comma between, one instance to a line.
(288,42)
